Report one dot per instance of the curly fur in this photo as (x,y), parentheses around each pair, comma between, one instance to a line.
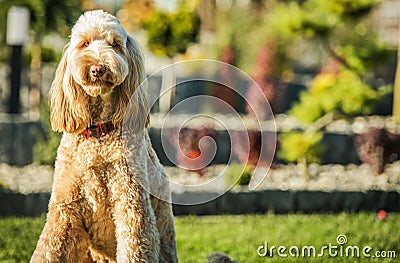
(99,210)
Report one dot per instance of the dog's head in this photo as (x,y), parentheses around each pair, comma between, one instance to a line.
(100,58)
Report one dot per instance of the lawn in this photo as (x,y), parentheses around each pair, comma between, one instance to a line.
(241,236)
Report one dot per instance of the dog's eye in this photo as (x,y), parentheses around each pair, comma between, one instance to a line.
(114,44)
(85,44)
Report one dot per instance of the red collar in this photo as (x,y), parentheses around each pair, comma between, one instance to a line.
(99,130)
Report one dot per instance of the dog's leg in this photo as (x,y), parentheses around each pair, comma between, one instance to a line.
(165,226)
(135,223)
(63,238)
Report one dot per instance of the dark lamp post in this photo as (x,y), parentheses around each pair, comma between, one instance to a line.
(17,32)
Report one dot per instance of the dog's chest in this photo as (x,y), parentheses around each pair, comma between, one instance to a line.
(100,154)
(103,162)
(99,163)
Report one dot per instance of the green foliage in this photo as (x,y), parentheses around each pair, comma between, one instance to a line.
(318,23)
(45,16)
(301,147)
(171,33)
(239,174)
(353,8)
(340,29)
(48,55)
(318,18)
(236,29)
(343,93)
(45,148)
(343,28)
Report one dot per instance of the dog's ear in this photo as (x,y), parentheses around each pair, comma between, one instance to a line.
(68,101)
(132,92)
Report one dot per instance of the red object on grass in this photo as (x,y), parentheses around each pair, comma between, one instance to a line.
(381,214)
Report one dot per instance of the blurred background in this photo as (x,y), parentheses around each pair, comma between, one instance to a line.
(316,62)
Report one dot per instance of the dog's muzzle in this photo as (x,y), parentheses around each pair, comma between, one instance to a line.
(97,71)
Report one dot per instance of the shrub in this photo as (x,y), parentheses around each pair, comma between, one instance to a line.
(259,150)
(333,93)
(48,55)
(239,174)
(377,147)
(171,33)
(296,146)
(303,148)
(343,92)
(188,152)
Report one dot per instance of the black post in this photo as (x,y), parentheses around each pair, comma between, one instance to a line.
(15,64)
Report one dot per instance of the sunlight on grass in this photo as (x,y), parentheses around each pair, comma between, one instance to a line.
(239,236)
(18,237)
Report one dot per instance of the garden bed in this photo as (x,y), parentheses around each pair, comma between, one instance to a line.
(332,188)
(326,178)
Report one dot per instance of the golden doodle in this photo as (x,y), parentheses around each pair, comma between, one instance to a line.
(101,209)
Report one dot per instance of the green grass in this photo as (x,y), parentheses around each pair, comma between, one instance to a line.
(240,236)
(18,237)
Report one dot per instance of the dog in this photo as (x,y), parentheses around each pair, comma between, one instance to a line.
(101,209)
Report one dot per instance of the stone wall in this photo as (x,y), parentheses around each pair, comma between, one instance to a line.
(17,138)
(15,204)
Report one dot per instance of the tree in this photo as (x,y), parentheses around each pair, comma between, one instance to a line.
(170,34)
(333,93)
(342,30)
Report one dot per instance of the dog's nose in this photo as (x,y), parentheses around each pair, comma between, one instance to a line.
(97,70)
